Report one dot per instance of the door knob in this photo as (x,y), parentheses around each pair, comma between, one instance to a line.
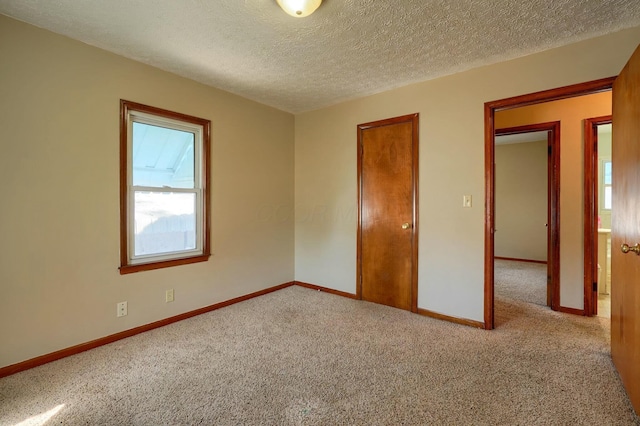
(626,249)
(406,225)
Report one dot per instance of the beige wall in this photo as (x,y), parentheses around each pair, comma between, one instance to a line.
(451,162)
(571,114)
(521,200)
(59,220)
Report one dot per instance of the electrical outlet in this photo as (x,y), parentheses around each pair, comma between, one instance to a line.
(168,296)
(121,309)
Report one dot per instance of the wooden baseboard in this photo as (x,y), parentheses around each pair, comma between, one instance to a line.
(572,311)
(63,353)
(73,350)
(425,312)
(326,290)
(515,259)
(463,321)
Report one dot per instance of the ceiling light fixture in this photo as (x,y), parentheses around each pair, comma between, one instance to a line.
(299,8)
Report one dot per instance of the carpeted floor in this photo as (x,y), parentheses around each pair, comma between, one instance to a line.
(302,357)
(523,281)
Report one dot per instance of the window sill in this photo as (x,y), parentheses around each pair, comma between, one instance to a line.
(129,269)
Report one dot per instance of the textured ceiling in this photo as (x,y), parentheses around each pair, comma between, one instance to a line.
(345,50)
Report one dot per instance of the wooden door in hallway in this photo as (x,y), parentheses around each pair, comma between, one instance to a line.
(387,212)
(625,243)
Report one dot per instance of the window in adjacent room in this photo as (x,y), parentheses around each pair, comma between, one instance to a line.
(606,187)
(164,174)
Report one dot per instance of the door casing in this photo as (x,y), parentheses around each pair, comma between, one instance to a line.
(591,211)
(553,203)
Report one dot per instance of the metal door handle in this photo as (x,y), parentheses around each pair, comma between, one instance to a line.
(406,225)
(626,249)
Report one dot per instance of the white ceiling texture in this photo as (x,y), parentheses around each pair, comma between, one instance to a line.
(345,50)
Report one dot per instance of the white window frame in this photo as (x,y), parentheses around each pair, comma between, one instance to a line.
(603,161)
(200,128)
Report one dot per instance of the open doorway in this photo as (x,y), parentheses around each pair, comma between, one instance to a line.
(527,170)
(570,296)
(598,189)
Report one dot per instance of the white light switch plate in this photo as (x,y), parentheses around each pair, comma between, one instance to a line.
(466,201)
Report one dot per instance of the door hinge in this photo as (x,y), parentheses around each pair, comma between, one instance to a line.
(595,286)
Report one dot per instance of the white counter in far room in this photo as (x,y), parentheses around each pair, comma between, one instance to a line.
(604,260)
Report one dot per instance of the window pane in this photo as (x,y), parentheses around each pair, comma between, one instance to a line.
(164,222)
(162,157)
(607,173)
(607,197)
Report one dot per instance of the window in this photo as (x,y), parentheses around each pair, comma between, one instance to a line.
(164,181)
(606,185)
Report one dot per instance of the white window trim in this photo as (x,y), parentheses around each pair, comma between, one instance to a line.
(602,185)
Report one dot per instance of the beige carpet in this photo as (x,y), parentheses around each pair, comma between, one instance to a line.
(302,357)
(524,281)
